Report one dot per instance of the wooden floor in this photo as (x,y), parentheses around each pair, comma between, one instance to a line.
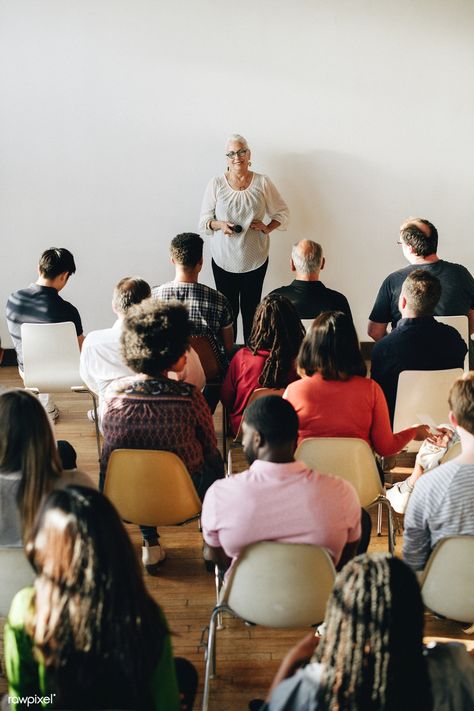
(247,657)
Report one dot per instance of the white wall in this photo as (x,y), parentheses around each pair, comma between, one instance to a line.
(114,113)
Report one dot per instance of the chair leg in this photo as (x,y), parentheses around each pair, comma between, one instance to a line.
(96,422)
(391,529)
(229,462)
(224,432)
(218,583)
(210,658)
(379,520)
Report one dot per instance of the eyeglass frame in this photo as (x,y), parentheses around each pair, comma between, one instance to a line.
(240,153)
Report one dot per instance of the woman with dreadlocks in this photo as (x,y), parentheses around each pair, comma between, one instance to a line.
(371,656)
(269,359)
(88,635)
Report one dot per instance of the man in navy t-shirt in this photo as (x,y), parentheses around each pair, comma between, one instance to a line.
(41,303)
(419,241)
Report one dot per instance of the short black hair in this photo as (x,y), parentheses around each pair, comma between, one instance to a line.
(186,249)
(274,418)
(155,334)
(56,261)
(129,292)
(422,244)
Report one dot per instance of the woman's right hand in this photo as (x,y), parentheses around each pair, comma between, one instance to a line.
(422,432)
(225,227)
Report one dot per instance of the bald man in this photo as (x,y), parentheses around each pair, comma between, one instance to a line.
(419,243)
(306,292)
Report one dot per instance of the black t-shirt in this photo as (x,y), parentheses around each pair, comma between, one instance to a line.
(37,304)
(310,298)
(457,291)
(415,344)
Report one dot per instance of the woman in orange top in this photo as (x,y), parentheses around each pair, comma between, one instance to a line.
(334,398)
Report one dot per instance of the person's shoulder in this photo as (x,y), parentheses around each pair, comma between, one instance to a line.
(162,288)
(99,337)
(21,605)
(435,481)
(282,290)
(399,275)
(451,671)
(452,268)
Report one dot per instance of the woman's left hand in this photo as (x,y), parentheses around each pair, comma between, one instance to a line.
(259,226)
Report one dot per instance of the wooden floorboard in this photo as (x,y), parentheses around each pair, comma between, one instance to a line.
(247,657)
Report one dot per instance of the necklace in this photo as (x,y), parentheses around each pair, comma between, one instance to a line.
(236,185)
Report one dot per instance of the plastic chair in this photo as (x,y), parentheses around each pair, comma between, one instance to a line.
(447,583)
(15,573)
(422,396)
(51,362)
(307,323)
(206,348)
(151,487)
(461,324)
(237,441)
(352,459)
(276,585)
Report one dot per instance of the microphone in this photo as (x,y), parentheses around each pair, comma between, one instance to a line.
(237,229)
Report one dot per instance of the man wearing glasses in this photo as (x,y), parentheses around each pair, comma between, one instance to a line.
(419,242)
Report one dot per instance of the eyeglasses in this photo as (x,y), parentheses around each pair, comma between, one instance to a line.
(240,153)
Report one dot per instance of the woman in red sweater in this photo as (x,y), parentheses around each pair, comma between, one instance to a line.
(269,359)
(334,398)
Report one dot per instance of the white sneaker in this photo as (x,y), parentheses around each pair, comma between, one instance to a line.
(152,557)
(398,499)
(53,414)
(91,415)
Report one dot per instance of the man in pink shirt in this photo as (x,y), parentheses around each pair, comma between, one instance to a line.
(277,498)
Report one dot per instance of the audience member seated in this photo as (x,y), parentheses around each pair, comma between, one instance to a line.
(269,359)
(334,398)
(101,358)
(307,293)
(210,313)
(442,502)
(278,499)
(419,241)
(371,655)
(150,411)
(88,634)
(419,341)
(30,465)
(40,303)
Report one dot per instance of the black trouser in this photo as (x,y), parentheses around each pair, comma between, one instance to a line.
(244,291)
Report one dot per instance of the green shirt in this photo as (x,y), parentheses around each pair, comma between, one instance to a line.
(27,676)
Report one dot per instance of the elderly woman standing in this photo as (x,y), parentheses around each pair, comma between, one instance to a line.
(233,211)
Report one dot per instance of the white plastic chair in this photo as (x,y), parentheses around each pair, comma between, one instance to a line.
(422,397)
(276,585)
(461,324)
(51,361)
(447,584)
(351,459)
(15,573)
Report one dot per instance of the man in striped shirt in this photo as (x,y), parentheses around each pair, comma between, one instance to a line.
(442,503)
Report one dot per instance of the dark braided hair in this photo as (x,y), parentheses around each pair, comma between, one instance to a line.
(276,328)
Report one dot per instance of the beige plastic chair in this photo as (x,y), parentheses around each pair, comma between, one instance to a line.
(51,362)
(151,487)
(461,324)
(447,584)
(352,459)
(276,585)
(237,441)
(307,323)
(15,573)
(422,397)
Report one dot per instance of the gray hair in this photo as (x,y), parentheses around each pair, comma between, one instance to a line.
(307,256)
(237,138)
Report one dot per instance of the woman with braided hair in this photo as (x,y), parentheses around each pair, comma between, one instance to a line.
(269,359)
(371,656)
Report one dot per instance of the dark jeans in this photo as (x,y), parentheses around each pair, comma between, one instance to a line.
(244,291)
(187,678)
(67,454)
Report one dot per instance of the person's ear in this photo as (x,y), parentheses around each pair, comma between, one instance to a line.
(323,262)
(179,365)
(257,440)
(452,419)
(292,266)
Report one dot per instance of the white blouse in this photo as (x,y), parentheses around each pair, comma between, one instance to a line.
(247,250)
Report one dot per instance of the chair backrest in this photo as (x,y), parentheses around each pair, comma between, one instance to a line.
(348,457)
(50,356)
(280,584)
(452,453)
(15,573)
(257,393)
(422,397)
(448,579)
(151,487)
(461,324)
(207,352)
(307,323)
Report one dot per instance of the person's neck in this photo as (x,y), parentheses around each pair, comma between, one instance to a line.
(276,455)
(186,276)
(430,259)
(41,281)
(307,277)
(409,313)
(467,446)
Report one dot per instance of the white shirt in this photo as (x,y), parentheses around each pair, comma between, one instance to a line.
(101,363)
(248,250)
